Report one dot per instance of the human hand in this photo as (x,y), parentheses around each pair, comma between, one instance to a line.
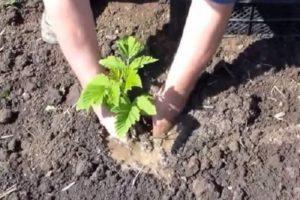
(107,119)
(169,104)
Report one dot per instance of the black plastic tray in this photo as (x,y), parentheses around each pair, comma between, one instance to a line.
(249,17)
(266,17)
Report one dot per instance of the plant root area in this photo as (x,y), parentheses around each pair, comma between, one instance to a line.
(238,138)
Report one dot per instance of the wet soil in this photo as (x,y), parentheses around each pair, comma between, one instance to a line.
(238,137)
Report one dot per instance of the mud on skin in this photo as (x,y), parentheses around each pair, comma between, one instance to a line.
(238,151)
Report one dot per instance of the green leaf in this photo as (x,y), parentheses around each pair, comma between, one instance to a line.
(93,93)
(132,80)
(124,100)
(112,62)
(145,104)
(141,61)
(114,93)
(127,116)
(129,47)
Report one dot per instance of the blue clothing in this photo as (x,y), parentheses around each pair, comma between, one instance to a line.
(224,1)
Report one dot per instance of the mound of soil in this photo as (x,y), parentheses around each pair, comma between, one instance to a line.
(246,107)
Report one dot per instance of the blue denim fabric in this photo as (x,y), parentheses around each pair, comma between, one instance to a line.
(224,1)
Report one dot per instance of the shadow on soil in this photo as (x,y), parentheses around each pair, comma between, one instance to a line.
(262,56)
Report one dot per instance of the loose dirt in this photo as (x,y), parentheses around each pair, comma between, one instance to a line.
(238,137)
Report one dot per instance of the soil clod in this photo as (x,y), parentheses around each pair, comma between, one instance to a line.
(6,116)
(14,145)
(3,155)
(192,167)
(230,146)
(53,96)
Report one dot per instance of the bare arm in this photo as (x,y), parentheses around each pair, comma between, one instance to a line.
(203,31)
(202,34)
(74,27)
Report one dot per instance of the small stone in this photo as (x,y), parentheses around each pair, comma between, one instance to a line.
(240,46)
(7,60)
(216,156)
(19,91)
(297,192)
(101,172)
(73,95)
(27,72)
(193,166)
(146,144)
(26,96)
(94,176)
(111,37)
(81,167)
(45,187)
(233,146)
(23,195)
(20,61)
(14,145)
(162,78)
(56,165)
(292,171)
(199,187)
(3,155)
(14,157)
(6,116)
(25,144)
(154,89)
(105,50)
(114,47)
(30,86)
(255,136)
(53,96)
(205,164)
(238,194)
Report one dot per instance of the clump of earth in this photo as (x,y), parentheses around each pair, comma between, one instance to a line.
(238,138)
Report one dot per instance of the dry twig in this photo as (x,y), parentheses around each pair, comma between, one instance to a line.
(6,136)
(8,191)
(136,176)
(279,91)
(68,186)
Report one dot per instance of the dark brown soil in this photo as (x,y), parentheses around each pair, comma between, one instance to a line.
(246,107)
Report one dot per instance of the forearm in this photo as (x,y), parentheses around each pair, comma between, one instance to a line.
(202,34)
(74,27)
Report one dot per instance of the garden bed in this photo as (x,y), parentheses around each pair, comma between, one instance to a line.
(239,133)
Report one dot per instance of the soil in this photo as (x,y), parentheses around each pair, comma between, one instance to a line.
(238,137)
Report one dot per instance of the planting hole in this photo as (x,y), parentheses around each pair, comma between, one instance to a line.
(134,156)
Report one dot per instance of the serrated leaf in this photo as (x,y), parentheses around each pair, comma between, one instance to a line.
(112,62)
(124,100)
(93,93)
(132,80)
(145,104)
(127,115)
(129,47)
(114,93)
(141,61)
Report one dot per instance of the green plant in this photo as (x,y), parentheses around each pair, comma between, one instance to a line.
(13,3)
(111,90)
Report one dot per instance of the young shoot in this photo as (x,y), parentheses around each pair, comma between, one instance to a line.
(111,90)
